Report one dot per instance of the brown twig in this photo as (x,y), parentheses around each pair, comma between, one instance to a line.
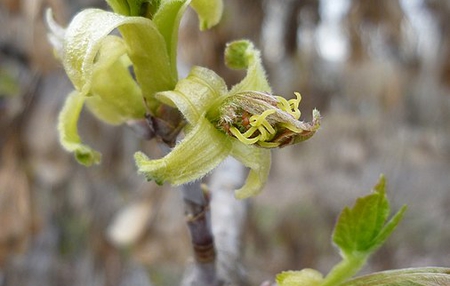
(198,219)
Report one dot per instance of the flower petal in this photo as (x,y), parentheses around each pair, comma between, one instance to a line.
(129,7)
(116,96)
(203,148)
(196,94)
(240,55)
(167,19)
(56,34)
(209,12)
(145,46)
(68,131)
(258,160)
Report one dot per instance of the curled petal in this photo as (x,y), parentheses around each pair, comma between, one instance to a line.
(116,96)
(243,55)
(209,12)
(56,34)
(309,128)
(196,94)
(127,7)
(167,18)
(258,160)
(203,148)
(146,49)
(68,131)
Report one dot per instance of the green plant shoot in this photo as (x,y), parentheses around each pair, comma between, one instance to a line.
(132,77)
(358,233)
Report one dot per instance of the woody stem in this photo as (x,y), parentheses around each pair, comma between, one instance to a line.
(198,219)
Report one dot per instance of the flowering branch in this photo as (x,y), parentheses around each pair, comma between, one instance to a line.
(131,77)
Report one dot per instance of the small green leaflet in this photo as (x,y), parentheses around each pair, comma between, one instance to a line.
(360,231)
(363,228)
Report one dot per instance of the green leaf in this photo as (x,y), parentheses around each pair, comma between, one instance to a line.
(362,229)
(68,131)
(209,12)
(428,276)
(304,277)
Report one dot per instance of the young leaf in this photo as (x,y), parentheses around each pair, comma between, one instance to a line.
(363,228)
(427,276)
(360,231)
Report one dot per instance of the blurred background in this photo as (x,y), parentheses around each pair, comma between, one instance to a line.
(379,72)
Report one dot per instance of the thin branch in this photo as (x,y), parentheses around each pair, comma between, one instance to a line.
(227,219)
(198,219)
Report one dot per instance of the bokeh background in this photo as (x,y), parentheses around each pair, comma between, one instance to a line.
(379,72)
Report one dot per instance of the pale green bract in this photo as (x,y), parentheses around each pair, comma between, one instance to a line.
(98,63)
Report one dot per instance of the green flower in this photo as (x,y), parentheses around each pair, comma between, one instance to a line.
(216,126)
(99,63)
(265,120)
(132,76)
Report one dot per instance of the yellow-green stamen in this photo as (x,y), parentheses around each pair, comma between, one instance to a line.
(290,106)
(257,122)
(242,138)
(260,122)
